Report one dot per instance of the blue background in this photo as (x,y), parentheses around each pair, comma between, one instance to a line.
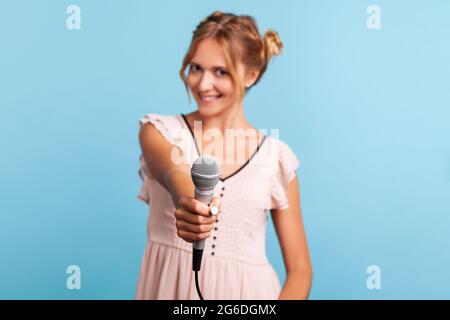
(366,112)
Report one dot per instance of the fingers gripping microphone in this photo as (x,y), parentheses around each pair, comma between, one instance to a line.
(205,173)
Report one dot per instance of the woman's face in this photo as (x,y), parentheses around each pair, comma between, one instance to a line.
(209,79)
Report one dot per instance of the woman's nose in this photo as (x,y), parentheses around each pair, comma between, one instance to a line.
(206,81)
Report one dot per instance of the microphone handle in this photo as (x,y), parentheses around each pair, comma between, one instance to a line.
(204,196)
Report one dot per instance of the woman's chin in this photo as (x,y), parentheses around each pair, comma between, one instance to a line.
(208,109)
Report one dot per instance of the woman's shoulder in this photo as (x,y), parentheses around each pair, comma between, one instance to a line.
(166,119)
(280,152)
(170,126)
(275,142)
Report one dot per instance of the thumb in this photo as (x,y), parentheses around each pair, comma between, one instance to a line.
(215,206)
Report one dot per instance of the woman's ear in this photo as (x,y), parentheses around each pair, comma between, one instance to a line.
(251,78)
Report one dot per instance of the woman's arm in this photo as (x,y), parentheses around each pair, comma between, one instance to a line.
(157,153)
(291,234)
(193,218)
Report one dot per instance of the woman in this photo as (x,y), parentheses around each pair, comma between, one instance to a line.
(227,56)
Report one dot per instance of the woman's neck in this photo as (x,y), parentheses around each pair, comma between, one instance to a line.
(231,125)
(228,119)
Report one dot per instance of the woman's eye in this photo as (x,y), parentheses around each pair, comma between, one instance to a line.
(221,72)
(194,68)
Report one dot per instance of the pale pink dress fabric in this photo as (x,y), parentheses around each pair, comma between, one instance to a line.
(234,264)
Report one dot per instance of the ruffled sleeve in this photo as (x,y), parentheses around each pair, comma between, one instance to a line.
(171,129)
(287,165)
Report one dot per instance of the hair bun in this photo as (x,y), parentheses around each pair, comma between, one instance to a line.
(272,43)
(216,14)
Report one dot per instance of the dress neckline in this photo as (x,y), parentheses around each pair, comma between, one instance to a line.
(199,153)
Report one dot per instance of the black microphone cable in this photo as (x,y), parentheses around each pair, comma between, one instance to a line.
(196,263)
(197,286)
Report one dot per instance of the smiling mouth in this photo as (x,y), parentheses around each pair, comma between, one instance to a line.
(209,98)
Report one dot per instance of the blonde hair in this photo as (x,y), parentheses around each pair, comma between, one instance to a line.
(240,40)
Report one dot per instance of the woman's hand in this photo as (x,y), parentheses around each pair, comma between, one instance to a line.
(194,220)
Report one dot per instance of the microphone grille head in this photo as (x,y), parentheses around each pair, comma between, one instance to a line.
(205,171)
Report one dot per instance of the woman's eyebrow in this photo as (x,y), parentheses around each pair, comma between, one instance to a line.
(214,67)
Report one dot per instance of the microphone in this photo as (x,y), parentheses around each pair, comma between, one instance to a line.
(205,173)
